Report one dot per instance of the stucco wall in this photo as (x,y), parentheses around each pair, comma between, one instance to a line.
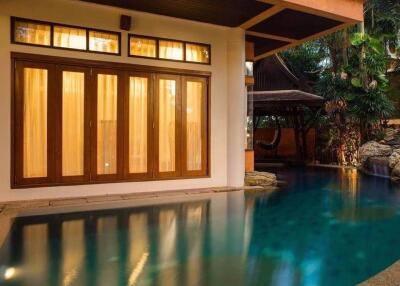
(102,17)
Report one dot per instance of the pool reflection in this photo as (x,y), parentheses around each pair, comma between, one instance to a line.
(317,230)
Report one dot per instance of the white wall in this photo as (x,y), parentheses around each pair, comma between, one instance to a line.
(102,17)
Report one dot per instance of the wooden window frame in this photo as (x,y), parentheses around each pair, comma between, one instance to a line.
(142,37)
(52,46)
(157,57)
(56,65)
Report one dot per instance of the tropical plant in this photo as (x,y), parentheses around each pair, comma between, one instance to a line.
(351,74)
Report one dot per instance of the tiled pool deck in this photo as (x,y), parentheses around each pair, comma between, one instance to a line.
(8,211)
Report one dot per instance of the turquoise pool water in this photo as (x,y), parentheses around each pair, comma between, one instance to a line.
(325,227)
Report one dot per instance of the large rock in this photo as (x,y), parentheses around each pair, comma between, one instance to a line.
(396,172)
(262,179)
(373,149)
(394,158)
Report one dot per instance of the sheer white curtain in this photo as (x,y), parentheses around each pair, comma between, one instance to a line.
(171,50)
(197,53)
(166,144)
(194,94)
(138,124)
(103,42)
(107,123)
(35,123)
(32,33)
(73,91)
(67,37)
(143,47)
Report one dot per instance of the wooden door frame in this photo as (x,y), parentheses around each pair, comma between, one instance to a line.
(120,129)
(87,117)
(18,60)
(18,128)
(204,127)
(178,132)
(150,124)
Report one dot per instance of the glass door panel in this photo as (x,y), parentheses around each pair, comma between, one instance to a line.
(107,91)
(194,94)
(73,123)
(138,124)
(35,92)
(167,101)
(195,126)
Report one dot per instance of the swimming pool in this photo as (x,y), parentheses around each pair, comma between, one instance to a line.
(325,227)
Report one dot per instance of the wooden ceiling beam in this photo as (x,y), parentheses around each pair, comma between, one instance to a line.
(310,38)
(269,36)
(262,16)
(340,10)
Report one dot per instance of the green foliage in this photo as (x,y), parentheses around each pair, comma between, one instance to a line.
(307,60)
(350,72)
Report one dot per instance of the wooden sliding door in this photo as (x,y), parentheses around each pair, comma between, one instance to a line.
(194,126)
(106,125)
(73,132)
(167,110)
(138,134)
(76,123)
(34,129)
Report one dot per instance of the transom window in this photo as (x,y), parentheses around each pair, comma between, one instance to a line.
(167,49)
(96,122)
(32,32)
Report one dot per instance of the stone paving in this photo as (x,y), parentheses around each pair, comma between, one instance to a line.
(388,277)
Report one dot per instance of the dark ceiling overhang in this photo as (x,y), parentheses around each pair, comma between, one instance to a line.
(272,25)
(231,13)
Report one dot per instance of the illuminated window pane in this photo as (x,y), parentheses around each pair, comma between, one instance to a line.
(197,53)
(138,124)
(171,50)
(194,92)
(35,123)
(32,33)
(143,47)
(103,42)
(73,90)
(166,136)
(72,38)
(107,124)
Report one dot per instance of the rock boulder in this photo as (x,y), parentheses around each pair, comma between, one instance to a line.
(262,179)
(373,149)
(394,158)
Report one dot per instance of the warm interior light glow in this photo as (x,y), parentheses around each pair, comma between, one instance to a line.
(194,95)
(10,272)
(167,121)
(170,50)
(197,53)
(67,37)
(143,47)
